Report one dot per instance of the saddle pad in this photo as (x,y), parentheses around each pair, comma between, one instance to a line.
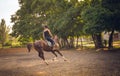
(49,43)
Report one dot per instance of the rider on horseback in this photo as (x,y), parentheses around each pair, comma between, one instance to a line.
(47,35)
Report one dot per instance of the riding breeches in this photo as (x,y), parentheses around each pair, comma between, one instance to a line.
(49,39)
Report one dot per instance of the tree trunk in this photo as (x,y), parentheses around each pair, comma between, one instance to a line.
(81,42)
(77,41)
(97,40)
(111,39)
(2,43)
(65,43)
(71,42)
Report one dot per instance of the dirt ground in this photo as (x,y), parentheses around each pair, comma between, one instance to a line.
(18,62)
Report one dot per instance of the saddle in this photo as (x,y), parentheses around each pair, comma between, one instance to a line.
(48,43)
(55,47)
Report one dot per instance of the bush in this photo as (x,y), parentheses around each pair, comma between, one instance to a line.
(8,43)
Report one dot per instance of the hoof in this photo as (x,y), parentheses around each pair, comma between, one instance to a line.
(54,59)
(65,60)
(46,63)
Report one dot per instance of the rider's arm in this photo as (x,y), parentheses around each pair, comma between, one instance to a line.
(50,33)
(43,36)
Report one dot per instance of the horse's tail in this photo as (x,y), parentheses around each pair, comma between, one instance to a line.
(29,46)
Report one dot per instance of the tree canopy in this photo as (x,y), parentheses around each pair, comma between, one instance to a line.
(66,18)
(4,30)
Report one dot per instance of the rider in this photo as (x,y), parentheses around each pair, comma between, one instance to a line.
(47,35)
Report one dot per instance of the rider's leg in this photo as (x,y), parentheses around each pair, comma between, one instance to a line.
(49,39)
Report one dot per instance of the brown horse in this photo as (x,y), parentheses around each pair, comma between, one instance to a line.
(42,45)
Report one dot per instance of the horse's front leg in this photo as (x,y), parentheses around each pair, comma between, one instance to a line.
(54,59)
(65,59)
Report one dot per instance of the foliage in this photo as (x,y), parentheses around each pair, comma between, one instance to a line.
(113,20)
(102,15)
(67,19)
(63,18)
(94,19)
(4,30)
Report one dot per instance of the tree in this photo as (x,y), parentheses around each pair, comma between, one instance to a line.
(94,24)
(58,14)
(102,15)
(4,30)
(113,19)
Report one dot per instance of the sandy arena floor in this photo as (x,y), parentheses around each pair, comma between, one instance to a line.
(18,62)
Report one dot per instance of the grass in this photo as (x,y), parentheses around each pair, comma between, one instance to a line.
(85,44)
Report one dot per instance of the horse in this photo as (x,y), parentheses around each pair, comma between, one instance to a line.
(41,45)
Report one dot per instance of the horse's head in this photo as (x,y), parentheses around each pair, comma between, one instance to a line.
(55,38)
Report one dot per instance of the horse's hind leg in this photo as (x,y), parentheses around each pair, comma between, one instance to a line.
(41,55)
(61,55)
